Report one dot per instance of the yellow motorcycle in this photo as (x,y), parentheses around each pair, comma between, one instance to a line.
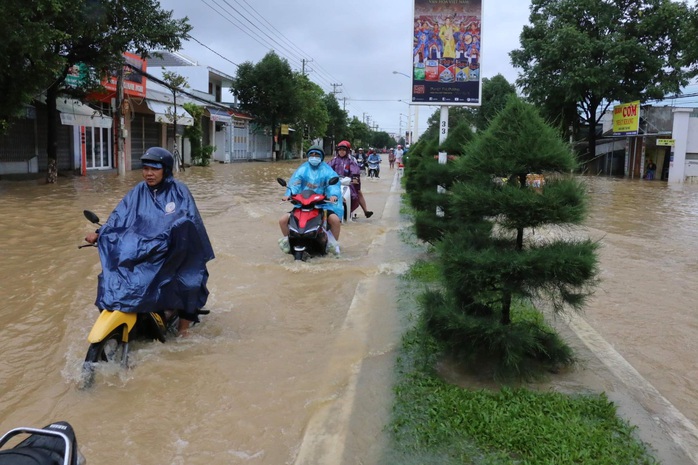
(111,333)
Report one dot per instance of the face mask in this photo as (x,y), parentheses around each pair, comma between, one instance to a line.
(314,161)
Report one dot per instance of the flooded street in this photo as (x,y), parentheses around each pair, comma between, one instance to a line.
(645,305)
(295,358)
(284,345)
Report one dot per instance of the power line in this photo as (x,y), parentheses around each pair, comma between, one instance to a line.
(287,50)
(288,41)
(242,27)
(206,46)
(294,57)
(262,31)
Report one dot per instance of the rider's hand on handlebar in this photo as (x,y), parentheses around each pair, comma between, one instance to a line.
(285,198)
(333,199)
(91,237)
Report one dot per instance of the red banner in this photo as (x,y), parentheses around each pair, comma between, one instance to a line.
(134,82)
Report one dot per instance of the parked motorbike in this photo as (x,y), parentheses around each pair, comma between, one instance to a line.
(111,333)
(307,224)
(54,444)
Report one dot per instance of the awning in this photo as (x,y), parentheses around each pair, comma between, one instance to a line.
(239,115)
(75,113)
(164,114)
(219,115)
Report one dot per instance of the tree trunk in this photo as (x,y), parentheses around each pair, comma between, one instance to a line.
(273,141)
(592,132)
(506,308)
(51,133)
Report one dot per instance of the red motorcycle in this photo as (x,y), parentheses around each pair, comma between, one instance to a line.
(307,224)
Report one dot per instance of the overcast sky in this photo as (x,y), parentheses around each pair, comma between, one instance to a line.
(357,44)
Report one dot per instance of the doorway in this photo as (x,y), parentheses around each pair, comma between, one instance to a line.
(97,148)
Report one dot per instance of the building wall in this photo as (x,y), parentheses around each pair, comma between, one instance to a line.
(23,147)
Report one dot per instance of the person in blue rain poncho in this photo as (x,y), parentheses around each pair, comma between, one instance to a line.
(154,247)
(315,174)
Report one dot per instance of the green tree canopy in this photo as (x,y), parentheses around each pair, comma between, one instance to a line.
(495,95)
(586,54)
(48,37)
(360,133)
(338,128)
(43,39)
(269,91)
(26,67)
(313,112)
(382,139)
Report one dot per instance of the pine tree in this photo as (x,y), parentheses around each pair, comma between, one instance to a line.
(490,256)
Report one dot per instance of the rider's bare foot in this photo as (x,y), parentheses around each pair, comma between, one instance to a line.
(183,328)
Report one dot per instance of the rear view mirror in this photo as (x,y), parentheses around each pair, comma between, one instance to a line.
(91,217)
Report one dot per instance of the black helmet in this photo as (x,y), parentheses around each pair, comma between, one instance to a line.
(316,149)
(159,155)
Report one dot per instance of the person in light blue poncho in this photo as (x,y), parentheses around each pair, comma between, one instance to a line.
(315,175)
(154,247)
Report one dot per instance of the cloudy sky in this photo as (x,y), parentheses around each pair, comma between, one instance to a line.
(357,44)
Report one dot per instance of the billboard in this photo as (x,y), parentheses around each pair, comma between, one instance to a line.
(134,82)
(626,119)
(446,52)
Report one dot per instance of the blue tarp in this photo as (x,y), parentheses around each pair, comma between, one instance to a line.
(154,249)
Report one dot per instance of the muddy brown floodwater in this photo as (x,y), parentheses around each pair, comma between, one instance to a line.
(294,364)
(283,343)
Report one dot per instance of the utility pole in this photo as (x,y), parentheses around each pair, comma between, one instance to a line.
(119,119)
(304,61)
(334,88)
(174,97)
(344,105)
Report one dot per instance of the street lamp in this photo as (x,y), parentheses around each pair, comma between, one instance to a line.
(408,139)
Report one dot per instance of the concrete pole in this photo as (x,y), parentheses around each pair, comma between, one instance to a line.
(119,120)
(679,132)
(443,134)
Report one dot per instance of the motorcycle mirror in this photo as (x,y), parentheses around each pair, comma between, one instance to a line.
(281,181)
(333,181)
(91,217)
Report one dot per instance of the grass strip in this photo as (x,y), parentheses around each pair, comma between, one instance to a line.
(435,422)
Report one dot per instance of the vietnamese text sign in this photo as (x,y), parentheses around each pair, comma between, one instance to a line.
(626,119)
(134,82)
(666,142)
(446,52)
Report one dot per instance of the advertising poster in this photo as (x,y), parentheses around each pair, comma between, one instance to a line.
(134,83)
(626,119)
(446,52)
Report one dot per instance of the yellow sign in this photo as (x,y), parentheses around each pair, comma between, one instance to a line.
(284,129)
(666,142)
(626,119)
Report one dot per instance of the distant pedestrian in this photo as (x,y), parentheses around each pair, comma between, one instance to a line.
(651,170)
(391,158)
(398,155)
